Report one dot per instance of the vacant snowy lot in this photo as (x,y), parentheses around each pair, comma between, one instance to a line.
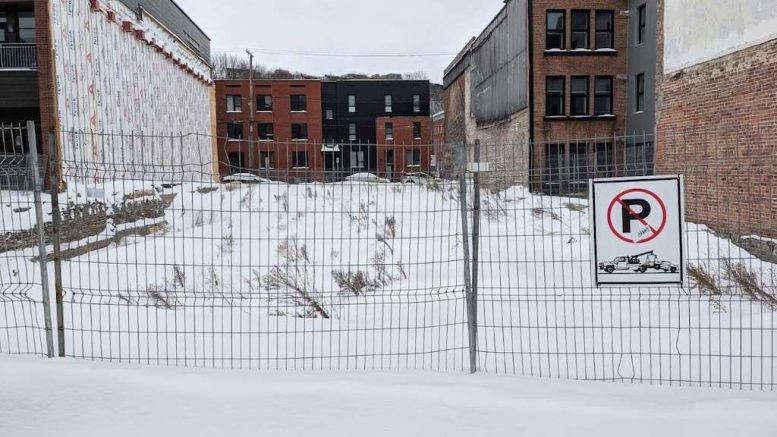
(82,399)
(370,276)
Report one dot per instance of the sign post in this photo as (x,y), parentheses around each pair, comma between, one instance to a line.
(638,231)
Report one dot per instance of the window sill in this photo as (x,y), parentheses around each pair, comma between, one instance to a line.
(264,112)
(234,112)
(298,112)
(414,166)
(581,52)
(300,168)
(579,117)
(266,141)
(299,140)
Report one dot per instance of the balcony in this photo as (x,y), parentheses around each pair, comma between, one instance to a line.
(18,57)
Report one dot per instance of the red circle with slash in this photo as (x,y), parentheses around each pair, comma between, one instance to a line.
(654,232)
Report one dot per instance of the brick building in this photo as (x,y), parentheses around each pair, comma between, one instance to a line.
(717,111)
(89,86)
(404,145)
(567,101)
(283,136)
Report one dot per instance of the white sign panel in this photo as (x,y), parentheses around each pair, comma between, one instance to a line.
(637,227)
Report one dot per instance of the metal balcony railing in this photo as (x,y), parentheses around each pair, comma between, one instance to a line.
(18,57)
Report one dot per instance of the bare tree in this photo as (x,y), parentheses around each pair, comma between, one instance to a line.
(416,75)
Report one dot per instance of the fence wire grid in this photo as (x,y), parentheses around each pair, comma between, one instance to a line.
(421,265)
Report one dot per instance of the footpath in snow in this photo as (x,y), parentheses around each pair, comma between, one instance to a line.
(78,398)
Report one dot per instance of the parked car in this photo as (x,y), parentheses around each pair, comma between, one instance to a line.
(245,178)
(416,178)
(366,177)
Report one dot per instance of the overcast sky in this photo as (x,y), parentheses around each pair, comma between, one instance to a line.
(337,27)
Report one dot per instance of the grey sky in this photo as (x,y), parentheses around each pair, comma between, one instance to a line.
(344,27)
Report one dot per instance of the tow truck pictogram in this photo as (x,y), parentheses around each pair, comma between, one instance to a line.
(639,263)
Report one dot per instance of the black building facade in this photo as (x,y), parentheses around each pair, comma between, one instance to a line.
(350,109)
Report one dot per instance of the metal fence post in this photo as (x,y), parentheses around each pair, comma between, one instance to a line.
(475,238)
(471,315)
(37,188)
(56,221)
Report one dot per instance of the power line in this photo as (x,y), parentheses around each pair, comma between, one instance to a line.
(265,51)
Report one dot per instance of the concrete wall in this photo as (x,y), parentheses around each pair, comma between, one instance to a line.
(700,30)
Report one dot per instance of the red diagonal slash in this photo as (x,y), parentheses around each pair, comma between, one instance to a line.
(635,215)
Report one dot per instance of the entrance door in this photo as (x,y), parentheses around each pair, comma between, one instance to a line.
(390,165)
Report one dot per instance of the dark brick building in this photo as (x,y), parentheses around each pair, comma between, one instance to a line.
(404,145)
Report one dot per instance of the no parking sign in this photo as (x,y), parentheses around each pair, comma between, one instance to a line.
(637,227)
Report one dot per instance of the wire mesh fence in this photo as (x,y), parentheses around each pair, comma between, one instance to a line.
(299,261)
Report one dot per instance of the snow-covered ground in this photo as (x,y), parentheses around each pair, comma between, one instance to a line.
(251,276)
(73,398)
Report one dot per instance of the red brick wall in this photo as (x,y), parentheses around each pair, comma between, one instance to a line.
(577,65)
(281,117)
(718,126)
(46,89)
(404,140)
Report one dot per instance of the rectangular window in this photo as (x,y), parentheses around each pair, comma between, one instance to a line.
(235,131)
(266,132)
(413,158)
(578,167)
(352,132)
(234,103)
(640,91)
(579,96)
(299,159)
(640,159)
(3,25)
(388,104)
(389,131)
(417,130)
(603,95)
(299,102)
(416,103)
(264,103)
(330,114)
(236,162)
(266,160)
(605,160)
(554,96)
(580,29)
(604,29)
(357,159)
(299,131)
(351,103)
(554,31)
(554,162)
(27,27)
(641,23)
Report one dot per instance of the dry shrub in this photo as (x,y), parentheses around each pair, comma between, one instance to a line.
(707,285)
(576,207)
(356,283)
(539,213)
(747,281)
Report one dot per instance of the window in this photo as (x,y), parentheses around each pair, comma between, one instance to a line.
(3,25)
(604,29)
(641,23)
(266,160)
(389,131)
(352,132)
(387,103)
(640,89)
(234,103)
(351,103)
(579,96)
(640,160)
(299,159)
(413,158)
(578,167)
(417,130)
(357,159)
(299,131)
(330,114)
(236,162)
(299,102)
(416,103)
(605,160)
(264,103)
(235,131)
(554,32)
(580,29)
(266,132)
(554,162)
(26,27)
(554,96)
(603,95)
